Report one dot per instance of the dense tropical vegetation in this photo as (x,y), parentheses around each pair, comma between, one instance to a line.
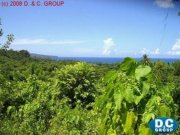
(39,96)
(46,97)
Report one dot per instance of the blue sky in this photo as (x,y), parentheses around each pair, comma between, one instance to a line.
(96,28)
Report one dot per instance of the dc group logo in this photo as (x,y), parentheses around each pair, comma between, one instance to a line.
(163,125)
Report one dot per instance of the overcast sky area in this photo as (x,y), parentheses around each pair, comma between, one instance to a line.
(97,28)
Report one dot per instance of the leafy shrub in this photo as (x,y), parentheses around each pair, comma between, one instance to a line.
(77,83)
(44,97)
(77,121)
(131,100)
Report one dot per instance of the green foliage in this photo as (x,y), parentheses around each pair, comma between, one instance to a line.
(142,71)
(131,120)
(176,66)
(145,60)
(162,72)
(31,99)
(74,122)
(45,97)
(77,83)
(10,39)
(131,100)
(128,65)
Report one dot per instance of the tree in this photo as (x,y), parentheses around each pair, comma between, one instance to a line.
(10,38)
(146,60)
(24,53)
(130,101)
(77,83)
(162,72)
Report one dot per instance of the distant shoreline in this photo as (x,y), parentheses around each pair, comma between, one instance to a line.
(112,60)
(103,60)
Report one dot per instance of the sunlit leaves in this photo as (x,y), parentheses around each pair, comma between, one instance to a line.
(77,82)
(128,65)
(46,97)
(131,97)
(131,120)
(142,71)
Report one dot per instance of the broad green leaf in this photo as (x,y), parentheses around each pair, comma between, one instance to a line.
(143,130)
(111,132)
(131,119)
(129,94)
(147,117)
(164,111)
(142,71)
(145,90)
(128,65)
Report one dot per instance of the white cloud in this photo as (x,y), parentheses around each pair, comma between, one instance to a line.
(164,3)
(145,51)
(109,46)
(175,50)
(176,46)
(149,52)
(26,41)
(156,51)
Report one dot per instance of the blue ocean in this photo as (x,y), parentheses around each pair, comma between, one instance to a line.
(106,60)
